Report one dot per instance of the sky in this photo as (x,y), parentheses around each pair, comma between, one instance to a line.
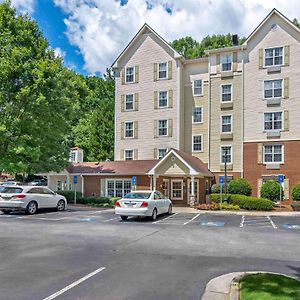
(90,34)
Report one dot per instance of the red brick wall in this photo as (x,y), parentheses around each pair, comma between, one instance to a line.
(291,167)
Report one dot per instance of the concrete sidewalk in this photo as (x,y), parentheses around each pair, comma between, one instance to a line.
(178,209)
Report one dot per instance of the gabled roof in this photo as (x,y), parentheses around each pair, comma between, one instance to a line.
(145,28)
(196,166)
(274,11)
(124,167)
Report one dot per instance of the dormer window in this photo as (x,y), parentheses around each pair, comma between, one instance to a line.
(226,62)
(162,71)
(129,74)
(274,57)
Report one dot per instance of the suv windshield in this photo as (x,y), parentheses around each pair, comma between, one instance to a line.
(137,196)
(11,190)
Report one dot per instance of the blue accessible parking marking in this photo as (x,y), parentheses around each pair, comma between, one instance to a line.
(292,226)
(87,219)
(212,224)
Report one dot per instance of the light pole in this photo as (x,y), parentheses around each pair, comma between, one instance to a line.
(225,156)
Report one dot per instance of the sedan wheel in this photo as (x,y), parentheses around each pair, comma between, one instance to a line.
(31,208)
(154,214)
(61,205)
(170,210)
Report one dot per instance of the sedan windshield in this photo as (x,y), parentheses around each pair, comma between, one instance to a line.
(138,196)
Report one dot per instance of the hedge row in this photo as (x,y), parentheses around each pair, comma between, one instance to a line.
(245,202)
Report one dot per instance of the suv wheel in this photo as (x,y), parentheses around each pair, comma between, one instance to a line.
(31,208)
(61,205)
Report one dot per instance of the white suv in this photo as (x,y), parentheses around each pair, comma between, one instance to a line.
(30,199)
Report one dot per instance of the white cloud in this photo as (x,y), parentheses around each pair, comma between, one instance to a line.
(24,6)
(102,28)
(59,52)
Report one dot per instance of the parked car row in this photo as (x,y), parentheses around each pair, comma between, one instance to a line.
(29,199)
(35,182)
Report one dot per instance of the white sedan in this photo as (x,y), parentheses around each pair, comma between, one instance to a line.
(143,203)
(29,199)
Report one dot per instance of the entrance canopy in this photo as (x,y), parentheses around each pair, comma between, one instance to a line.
(179,163)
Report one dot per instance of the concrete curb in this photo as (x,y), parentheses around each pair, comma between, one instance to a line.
(226,287)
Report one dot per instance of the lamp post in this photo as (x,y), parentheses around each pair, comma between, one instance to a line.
(225,157)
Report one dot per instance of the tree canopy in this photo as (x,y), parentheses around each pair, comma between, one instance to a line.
(190,48)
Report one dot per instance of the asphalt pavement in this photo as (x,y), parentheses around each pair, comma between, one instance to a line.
(91,254)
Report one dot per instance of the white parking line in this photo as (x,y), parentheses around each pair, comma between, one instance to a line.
(273,224)
(242,222)
(165,218)
(112,219)
(55,295)
(191,220)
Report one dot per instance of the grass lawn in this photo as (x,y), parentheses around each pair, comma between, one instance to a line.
(269,287)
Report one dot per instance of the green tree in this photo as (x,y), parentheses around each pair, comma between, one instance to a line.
(296,22)
(37,98)
(95,131)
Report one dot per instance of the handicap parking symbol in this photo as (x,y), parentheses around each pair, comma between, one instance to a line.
(292,226)
(87,219)
(212,224)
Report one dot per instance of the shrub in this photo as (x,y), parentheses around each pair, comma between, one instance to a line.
(271,190)
(70,195)
(295,206)
(114,200)
(296,192)
(239,186)
(94,201)
(216,188)
(216,197)
(230,206)
(251,203)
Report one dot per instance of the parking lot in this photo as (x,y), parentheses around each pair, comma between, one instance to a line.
(93,254)
(201,219)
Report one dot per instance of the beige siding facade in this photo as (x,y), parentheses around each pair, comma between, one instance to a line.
(279,35)
(146,56)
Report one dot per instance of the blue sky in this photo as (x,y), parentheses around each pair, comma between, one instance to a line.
(89,34)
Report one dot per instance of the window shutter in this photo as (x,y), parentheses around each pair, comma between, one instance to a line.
(135,154)
(260,58)
(136,74)
(155,128)
(122,131)
(286,55)
(286,120)
(155,72)
(123,76)
(170,127)
(155,99)
(122,102)
(218,63)
(286,189)
(234,61)
(286,87)
(136,101)
(122,154)
(170,69)
(136,129)
(170,95)
(259,153)
(155,153)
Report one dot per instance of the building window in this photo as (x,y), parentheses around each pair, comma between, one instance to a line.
(226,62)
(128,155)
(273,153)
(59,185)
(129,130)
(129,102)
(197,87)
(129,74)
(273,121)
(177,189)
(161,152)
(226,92)
(163,127)
(226,151)
(162,71)
(226,126)
(273,88)
(163,99)
(73,156)
(118,187)
(197,115)
(197,143)
(274,56)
